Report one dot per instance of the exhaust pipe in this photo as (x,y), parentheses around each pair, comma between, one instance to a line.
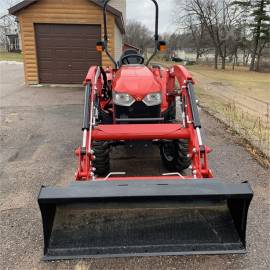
(144,218)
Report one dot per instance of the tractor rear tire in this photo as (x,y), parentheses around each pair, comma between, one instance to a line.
(174,155)
(102,160)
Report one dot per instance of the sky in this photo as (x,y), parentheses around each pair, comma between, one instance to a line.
(139,10)
(4,5)
(144,11)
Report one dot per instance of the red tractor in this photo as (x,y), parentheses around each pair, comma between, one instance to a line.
(103,213)
(128,109)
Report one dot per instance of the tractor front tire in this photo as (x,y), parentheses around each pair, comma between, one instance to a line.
(102,158)
(174,155)
(170,115)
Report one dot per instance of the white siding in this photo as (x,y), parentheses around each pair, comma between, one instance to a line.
(120,5)
(118,41)
(118,46)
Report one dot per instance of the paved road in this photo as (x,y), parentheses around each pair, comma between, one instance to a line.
(40,128)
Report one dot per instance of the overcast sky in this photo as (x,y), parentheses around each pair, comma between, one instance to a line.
(140,10)
(144,11)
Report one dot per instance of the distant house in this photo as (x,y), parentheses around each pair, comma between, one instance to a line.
(59,37)
(127,46)
(13,44)
(9,34)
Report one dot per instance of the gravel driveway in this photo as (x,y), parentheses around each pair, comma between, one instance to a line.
(41,127)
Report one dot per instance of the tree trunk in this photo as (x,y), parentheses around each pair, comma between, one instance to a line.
(223,65)
(258,62)
(216,59)
(259,58)
(244,57)
(252,63)
(234,61)
(257,38)
(223,58)
(247,59)
(197,56)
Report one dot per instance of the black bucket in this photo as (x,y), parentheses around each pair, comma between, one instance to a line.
(144,218)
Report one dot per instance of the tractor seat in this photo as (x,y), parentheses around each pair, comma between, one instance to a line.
(131,57)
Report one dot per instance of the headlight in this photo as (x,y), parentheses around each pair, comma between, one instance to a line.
(152,99)
(123,99)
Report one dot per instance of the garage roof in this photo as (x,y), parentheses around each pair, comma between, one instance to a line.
(118,15)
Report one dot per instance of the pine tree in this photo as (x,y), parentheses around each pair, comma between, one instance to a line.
(260,27)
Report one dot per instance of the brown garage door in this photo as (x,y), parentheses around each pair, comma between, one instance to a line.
(65,51)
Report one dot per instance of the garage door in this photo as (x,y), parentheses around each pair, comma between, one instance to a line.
(65,52)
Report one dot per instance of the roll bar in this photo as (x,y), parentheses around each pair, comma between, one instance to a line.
(106,32)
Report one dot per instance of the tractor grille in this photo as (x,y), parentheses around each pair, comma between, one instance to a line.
(137,110)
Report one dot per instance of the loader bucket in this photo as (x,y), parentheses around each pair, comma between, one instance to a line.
(144,218)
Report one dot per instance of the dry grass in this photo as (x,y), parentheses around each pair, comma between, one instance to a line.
(5,56)
(252,84)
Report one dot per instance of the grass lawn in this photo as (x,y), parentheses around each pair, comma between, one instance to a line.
(6,56)
(252,84)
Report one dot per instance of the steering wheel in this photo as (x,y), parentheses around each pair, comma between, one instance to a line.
(126,61)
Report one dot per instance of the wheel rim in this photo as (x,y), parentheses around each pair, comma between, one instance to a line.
(167,150)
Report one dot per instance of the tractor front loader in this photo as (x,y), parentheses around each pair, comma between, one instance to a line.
(104,213)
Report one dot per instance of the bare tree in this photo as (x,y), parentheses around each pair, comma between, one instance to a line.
(218,17)
(195,32)
(8,25)
(8,22)
(200,37)
(138,35)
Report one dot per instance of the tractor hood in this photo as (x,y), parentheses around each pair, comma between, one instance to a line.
(136,80)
